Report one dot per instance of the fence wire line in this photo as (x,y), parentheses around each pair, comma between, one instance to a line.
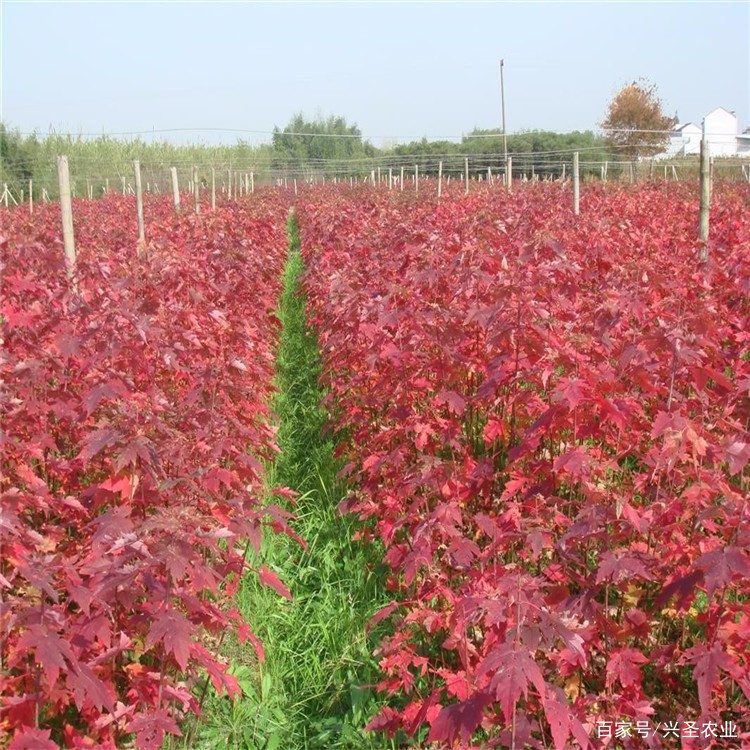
(391,156)
(457,165)
(153,131)
(394,159)
(95,186)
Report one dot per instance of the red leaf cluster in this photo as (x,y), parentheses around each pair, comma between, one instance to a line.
(135,415)
(546,418)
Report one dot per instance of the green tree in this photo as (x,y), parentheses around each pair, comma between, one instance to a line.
(303,143)
(544,151)
(18,156)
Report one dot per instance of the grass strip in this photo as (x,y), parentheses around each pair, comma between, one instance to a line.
(312,692)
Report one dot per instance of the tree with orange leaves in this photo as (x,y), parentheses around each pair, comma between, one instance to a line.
(635,124)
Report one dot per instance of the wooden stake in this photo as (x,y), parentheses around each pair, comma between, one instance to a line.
(509,174)
(466,175)
(705,184)
(390,178)
(440,179)
(416,178)
(401,181)
(124,188)
(31,198)
(197,190)
(252,182)
(139,200)
(229,184)
(576,186)
(66,209)
(213,189)
(106,186)
(295,186)
(175,189)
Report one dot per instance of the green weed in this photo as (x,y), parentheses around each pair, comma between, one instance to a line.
(312,691)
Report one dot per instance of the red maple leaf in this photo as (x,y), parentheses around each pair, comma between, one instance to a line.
(269,578)
(459,720)
(175,631)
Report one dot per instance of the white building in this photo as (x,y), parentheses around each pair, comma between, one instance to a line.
(722,134)
(685,139)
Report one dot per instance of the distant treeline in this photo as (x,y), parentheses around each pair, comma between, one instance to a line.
(304,149)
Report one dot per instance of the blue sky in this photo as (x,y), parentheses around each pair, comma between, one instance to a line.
(399,70)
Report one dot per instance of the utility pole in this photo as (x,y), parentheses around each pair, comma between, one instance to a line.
(502,100)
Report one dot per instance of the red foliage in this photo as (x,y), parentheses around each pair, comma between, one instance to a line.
(547,423)
(136,420)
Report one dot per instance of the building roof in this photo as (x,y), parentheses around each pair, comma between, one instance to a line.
(685,125)
(721,109)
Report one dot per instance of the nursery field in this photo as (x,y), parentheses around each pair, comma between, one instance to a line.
(541,428)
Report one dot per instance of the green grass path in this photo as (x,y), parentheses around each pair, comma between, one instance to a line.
(311,692)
